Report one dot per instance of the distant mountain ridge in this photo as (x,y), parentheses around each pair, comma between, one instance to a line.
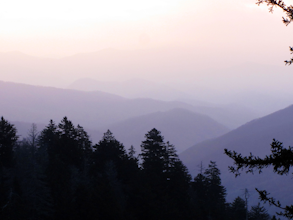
(256,137)
(185,70)
(179,126)
(231,116)
(93,109)
(105,107)
(99,111)
(134,88)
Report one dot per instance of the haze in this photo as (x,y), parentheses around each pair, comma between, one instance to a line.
(209,50)
(62,28)
(208,74)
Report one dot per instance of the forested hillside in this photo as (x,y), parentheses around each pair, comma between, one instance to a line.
(59,174)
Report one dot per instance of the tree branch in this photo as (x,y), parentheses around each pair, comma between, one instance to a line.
(287,9)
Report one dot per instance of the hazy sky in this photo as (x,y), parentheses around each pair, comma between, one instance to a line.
(58,28)
(225,48)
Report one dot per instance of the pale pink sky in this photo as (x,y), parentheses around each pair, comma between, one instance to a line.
(59,28)
(211,49)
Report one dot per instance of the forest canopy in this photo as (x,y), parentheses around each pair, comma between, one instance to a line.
(58,173)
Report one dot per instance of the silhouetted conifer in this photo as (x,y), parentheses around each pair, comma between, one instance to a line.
(166,179)
(31,173)
(258,213)
(216,193)
(8,139)
(237,210)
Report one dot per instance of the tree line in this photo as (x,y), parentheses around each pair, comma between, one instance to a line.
(59,174)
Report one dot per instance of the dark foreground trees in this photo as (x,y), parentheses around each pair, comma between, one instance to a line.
(58,174)
(237,209)
(210,193)
(258,213)
(165,178)
(281,159)
(8,139)
(9,189)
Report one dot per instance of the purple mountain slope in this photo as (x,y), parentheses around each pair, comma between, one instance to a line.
(178,126)
(254,137)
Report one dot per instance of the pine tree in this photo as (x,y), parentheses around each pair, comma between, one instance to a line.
(166,178)
(216,193)
(154,154)
(199,188)
(109,149)
(48,140)
(237,210)
(110,170)
(177,185)
(9,195)
(258,213)
(8,139)
(69,149)
(30,172)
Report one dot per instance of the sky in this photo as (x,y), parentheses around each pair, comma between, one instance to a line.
(59,28)
(225,48)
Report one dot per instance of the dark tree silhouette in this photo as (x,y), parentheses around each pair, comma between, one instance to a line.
(258,213)
(58,174)
(8,139)
(200,194)
(216,192)
(209,194)
(10,199)
(166,179)
(113,170)
(33,182)
(237,210)
(281,159)
(67,148)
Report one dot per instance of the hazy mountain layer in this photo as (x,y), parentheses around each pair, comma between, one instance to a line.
(21,102)
(179,126)
(135,88)
(254,137)
(188,71)
(129,119)
(231,115)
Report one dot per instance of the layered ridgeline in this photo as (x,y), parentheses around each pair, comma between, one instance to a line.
(230,115)
(129,119)
(20,102)
(134,88)
(256,137)
(180,126)
(188,72)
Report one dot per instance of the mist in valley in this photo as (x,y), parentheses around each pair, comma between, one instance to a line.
(207,76)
